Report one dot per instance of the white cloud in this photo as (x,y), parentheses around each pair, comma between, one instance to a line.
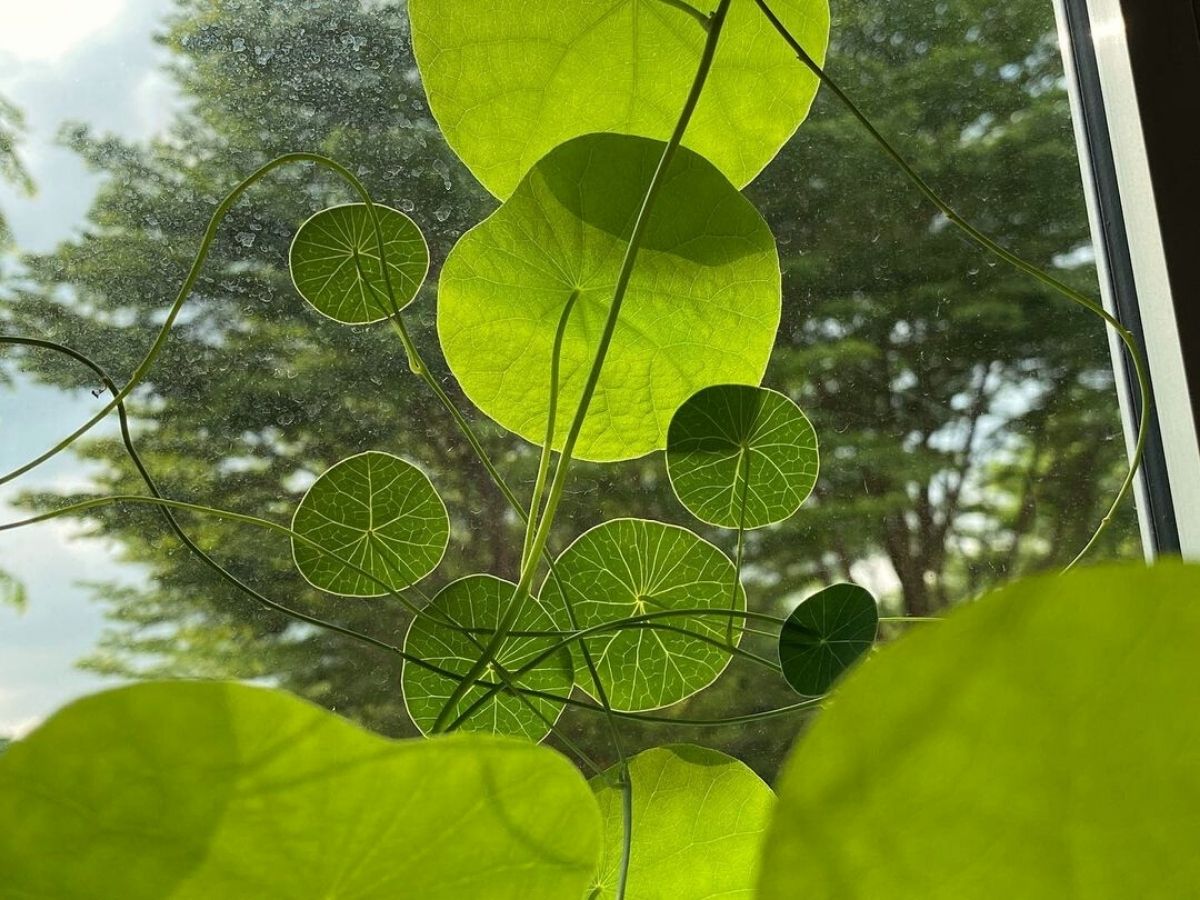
(47,30)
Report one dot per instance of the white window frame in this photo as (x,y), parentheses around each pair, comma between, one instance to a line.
(1176,449)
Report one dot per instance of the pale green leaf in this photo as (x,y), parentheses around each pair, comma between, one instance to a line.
(702,308)
(743,456)
(634,567)
(698,822)
(334,261)
(478,602)
(378,512)
(509,80)
(1040,743)
(196,791)
(825,635)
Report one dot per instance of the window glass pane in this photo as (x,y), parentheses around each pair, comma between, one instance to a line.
(967,417)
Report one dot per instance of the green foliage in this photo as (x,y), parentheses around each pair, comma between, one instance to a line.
(825,635)
(218,790)
(334,261)
(702,307)
(631,568)
(741,456)
(12,170)
(510,81)
(12,592)
(1038,744)
(376,511)
(478,602)
(698,822)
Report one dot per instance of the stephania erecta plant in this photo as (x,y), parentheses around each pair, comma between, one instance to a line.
(622,300)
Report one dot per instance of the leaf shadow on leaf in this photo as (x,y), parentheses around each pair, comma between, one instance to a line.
(586,168)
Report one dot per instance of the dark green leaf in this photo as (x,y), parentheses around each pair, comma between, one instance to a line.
(825,635)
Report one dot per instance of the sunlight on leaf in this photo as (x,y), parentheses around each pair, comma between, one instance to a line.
(509,80)
(335,266)
(478,602)
(698,821)
(825,635)
(196,791)
(702,307)
(380,513)
(631,567)
(1040,743)
(738,454)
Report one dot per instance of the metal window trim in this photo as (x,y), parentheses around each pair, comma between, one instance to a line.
(1132,264)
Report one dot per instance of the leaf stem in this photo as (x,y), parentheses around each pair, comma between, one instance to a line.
(991,246)
(691,11)
(551,414)
(185,290)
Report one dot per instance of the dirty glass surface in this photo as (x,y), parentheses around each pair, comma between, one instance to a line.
(967,418)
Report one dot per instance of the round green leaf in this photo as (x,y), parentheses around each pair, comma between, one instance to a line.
(698,821)
(335,265)
(1040,743)
(509,80)
(378,512)
(702,307)
(633,567)
(478,602)
(739,455)
(194,791)
(825,635)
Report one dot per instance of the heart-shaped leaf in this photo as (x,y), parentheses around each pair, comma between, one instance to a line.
(335,265)
(378,512)
(1040,743)
(509,80)
(478,602)
(698,821)
(194,791)
(632,567)
(825,635)
(702,307)
(741,456)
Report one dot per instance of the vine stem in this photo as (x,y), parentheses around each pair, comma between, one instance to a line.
(185,291)
(557,486)
(552,412)
(991,246)
(741,535)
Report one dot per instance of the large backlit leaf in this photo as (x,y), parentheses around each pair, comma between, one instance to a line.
(702,308)
(1041,743)
(739,455)
(196,791)
(509,80)
(825,635)
(478,602)
(634,567)
(698,822)
(378,512)
(335,265)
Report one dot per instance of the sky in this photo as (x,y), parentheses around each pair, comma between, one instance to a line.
(90,61)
